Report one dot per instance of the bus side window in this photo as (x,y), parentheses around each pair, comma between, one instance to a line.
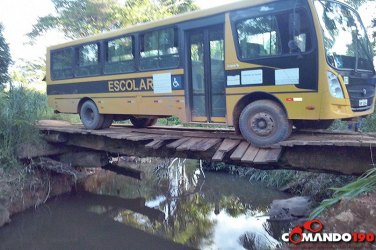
(169,55)
(119,56)
(61,64)
(88,60)
(258,37)
(159,50)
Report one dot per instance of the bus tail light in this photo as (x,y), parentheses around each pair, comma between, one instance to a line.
(335,88)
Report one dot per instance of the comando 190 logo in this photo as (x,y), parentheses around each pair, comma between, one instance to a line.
(311,231)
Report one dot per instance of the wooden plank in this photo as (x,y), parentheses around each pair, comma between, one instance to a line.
(126,171)
(274,155)
(240,151)
(228,144)
(169,137)
(250,154)
(120,136)
(189,144)
(218,156)
(186,132)
(267,155)
(141,137)
(179,127)
(177,143)
(155,144)
(205,145)
(161,141)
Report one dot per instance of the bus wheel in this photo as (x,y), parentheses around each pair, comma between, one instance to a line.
(90,116)
(140,122)
(152,122)
(263,123)
(304,124)
(108,120)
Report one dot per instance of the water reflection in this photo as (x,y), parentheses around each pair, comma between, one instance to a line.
(216,212)
(174,207)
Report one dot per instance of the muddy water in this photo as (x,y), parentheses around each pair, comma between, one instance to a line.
(176,206)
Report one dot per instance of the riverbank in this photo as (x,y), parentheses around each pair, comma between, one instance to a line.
(348,215)
(355,215)
(25,187)
(315,185)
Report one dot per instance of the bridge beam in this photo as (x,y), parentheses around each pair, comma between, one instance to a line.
(332,152)
(341,160)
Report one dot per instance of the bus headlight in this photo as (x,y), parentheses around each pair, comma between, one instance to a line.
(335,88)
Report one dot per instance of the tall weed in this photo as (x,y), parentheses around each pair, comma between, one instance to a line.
(363,184)
(19,109)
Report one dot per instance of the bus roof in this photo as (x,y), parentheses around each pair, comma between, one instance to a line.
(164,22)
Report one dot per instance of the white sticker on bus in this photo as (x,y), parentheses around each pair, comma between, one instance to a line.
(233,80)
(162,83)
(287,76)
(252,77)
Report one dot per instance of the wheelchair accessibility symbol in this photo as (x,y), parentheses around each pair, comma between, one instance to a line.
(175,83)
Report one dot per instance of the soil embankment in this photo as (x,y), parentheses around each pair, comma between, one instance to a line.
(22,188)
(356,215)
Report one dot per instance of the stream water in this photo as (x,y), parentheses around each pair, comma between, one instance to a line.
(176,206)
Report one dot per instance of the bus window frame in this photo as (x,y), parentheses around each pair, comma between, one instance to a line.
(235,18)
(177,42)
(279,39)
(134,37)
(100,64)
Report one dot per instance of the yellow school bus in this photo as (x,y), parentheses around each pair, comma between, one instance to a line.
(261,66)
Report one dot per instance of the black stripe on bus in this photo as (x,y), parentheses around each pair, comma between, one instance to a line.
(112,86)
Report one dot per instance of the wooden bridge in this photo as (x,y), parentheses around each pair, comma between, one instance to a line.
(323,151)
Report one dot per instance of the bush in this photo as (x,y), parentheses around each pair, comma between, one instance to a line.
(19,109)
(364,184)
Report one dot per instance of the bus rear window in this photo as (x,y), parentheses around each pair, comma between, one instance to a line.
(159,50)
(61,63)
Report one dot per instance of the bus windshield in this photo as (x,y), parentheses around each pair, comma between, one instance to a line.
(345,39)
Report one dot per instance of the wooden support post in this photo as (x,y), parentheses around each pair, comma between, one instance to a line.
(55,137)
(85,159)
(126,171)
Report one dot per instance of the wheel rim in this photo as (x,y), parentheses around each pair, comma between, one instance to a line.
(262,124)
(89,115)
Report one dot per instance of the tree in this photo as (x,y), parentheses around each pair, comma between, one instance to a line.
(29,74)
(5,58)
(356,3)
(80,18)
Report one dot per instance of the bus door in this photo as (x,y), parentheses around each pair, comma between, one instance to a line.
(207,74)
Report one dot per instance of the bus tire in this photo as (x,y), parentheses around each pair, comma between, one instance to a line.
(264,123)
(152,122)
(90,116)
(305,124)
(140,122)
(108,120)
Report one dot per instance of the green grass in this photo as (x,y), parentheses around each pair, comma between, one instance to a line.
(19,109)
(363,184)
(169,121)
(273,178)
